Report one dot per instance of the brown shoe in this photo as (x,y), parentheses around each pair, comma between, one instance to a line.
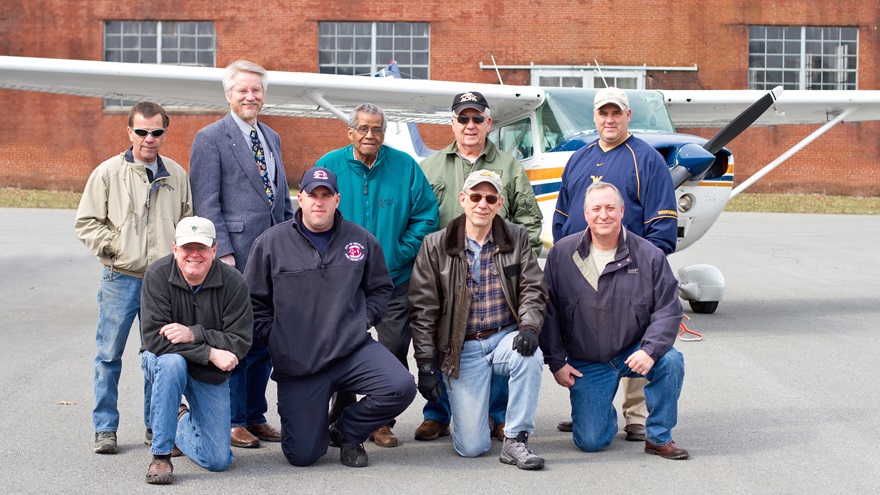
(635,433)
(430,430)
(160,472)
(497,432)
(668,451)
(265,432)
(384,437)
(175,452)
(240,437)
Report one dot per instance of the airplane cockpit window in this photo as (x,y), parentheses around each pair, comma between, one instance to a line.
(571,111)
(516,139)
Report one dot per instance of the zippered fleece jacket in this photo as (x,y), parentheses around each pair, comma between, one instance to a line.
(392,199)
(312,308)
(127,221)
(219,315)
(637,301)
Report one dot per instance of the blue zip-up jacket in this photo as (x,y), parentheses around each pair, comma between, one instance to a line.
(637,301)
(392,199)
(641,175)
(313,308)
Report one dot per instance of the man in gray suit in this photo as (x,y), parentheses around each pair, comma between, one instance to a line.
(238,183)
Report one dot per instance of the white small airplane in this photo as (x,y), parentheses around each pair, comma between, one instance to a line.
(542,127)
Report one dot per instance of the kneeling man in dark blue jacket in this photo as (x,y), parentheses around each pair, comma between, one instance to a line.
(613,312)
(318,283)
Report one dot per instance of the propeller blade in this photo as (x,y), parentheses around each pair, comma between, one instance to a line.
(742,121)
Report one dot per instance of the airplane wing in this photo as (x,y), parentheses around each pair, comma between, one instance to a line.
(289,93)
(715,108)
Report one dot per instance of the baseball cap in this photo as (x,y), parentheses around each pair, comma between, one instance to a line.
(195,229)
(316,177)
(615,96)
(471,99)
(480,176)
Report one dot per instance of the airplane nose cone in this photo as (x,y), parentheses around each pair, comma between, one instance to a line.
(692,162)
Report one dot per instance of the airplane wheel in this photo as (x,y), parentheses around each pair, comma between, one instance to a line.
(704,307)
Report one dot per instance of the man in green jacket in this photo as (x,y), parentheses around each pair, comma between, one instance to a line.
(446,171)
(384,191)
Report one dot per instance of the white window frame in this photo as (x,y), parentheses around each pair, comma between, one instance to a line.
(793,56)
(589,77)
(335,56)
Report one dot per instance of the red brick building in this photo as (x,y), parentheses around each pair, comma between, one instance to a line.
(54,142)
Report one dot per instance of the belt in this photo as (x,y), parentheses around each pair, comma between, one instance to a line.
(482,335)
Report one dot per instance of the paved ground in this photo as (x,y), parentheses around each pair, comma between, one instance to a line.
(770,405)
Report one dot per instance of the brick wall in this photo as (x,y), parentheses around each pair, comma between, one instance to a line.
(55,141)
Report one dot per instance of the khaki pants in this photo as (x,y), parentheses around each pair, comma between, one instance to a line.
(634,409)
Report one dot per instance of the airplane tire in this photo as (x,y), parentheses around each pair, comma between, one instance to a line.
(704,307)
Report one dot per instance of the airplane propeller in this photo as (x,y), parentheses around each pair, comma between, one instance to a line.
(693,160)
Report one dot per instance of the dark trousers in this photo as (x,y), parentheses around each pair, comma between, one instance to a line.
(247,387)
(371,371)
(394,334)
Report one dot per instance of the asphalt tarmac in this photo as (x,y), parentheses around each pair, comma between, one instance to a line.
(771,403)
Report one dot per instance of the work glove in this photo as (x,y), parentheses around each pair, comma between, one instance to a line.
(429,383)
(526,342)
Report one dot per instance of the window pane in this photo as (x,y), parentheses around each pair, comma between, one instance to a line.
(407,43)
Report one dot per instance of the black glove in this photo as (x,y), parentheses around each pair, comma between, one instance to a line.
(429,383)
(526,342)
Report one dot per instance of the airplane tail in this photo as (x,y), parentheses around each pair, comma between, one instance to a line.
(403,136)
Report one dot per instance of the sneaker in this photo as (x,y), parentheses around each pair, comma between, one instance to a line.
(148,437)
(105,442)
(517,451)
(350,454)
(430,430)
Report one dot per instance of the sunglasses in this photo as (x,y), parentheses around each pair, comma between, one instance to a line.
(464,119)
(143,132)
(476,197)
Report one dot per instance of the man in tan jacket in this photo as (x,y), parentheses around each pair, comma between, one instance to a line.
(127,217)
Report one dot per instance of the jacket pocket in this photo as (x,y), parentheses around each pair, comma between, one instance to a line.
(235,226)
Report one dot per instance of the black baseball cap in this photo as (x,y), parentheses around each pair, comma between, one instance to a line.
(471,99)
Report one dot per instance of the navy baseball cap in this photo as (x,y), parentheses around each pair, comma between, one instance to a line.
(316,177)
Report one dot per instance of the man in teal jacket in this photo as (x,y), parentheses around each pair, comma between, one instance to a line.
(384,191)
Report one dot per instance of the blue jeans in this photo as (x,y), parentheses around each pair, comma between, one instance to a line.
(247,387)
(469,393)
(119,300)
(440,412)
(592,412)
(202,434)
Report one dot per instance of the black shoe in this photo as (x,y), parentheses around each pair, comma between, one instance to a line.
(350,454)
(635,432)
(566,426)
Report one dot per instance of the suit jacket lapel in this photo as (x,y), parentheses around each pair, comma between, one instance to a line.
(244,155)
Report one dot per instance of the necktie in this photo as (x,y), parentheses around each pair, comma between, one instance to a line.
(261,164)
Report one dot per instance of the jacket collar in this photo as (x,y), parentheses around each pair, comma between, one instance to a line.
(161,171)
(488,151)
(455,236)
(583,247)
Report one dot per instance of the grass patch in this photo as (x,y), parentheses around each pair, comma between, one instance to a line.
(804,203)
(769,203)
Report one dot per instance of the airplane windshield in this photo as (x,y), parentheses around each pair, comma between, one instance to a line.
(569,111)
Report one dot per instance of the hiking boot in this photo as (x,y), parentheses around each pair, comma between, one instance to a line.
(430,430)
(105,442)
(350,454)
(160,471)
(384,437)
(517,451)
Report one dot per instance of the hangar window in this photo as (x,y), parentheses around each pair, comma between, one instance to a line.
(363,48)
(159,42)
(803,57)
(588,78)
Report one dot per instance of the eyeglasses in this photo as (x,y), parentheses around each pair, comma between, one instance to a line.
(476,197)
(362,129)
(464,119)
(143,132)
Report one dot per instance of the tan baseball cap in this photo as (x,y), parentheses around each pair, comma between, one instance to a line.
(615,96)
(195,229)
(480,176)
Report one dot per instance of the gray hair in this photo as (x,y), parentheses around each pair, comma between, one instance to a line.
(243,66)
(366,108)
(602,185)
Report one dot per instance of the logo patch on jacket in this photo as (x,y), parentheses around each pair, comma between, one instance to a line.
(355,251)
